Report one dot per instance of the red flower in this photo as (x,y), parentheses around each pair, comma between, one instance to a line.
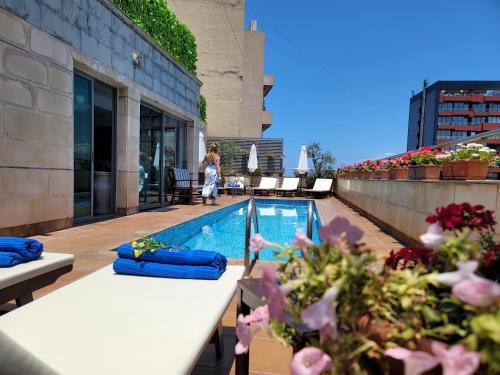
(408,257)
(464,215)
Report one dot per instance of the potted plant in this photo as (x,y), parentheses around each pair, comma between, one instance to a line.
(399,169)
(468,162)
(368,169)
(383,170)
(424,165)
(435,307)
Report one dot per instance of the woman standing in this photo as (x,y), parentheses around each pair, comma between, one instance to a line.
(212,174)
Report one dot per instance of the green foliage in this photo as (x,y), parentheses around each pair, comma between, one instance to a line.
(473,151)
(227,152)
(203,108)
(159,21)
(322,160)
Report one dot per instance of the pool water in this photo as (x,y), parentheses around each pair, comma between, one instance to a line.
(224,229)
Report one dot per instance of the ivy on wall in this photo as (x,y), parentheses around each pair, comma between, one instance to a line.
(203,108)
(159,21)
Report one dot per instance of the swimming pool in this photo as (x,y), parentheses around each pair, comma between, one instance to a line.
(224,230)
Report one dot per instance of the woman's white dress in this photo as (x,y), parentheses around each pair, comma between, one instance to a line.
(211,177)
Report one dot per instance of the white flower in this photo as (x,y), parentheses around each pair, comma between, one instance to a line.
(465,272)
(475,155)
(434,238)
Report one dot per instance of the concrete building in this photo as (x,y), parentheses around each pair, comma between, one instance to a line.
(454,110)
(231,66)
(87,130)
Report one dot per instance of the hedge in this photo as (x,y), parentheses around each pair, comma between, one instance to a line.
(159,21)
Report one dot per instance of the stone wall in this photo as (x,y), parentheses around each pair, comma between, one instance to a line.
(100,31)
(402,206)
(36,105)
(36,127)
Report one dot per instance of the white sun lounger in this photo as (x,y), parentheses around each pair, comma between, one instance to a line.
(107,323)
(20,281)
(267,185)
(321,186)
(289,185)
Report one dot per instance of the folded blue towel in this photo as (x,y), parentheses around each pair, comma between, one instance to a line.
(176,256)
(15,250)
(174,271)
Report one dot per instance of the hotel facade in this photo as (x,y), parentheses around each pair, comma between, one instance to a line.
(92,114)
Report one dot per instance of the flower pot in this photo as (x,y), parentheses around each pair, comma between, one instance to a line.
(465,170)
(382,174)
(399,173)
(370,175)
(424,172)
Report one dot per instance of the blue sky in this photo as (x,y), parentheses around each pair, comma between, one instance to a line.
(345,69)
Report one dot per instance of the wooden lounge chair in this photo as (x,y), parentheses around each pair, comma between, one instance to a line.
(184,188)
(289,185)
(107,323)
(267,185)
(235,186)
(322,187)
(19,282)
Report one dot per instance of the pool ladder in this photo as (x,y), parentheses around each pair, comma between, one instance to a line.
(252,216)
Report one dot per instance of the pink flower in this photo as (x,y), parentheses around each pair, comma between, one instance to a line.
(301,240)
(310,361)
(415,362)
(322,315)
(258,242)
(434,238)
(456,360)
(274,294)
(340,228)
(465,272)
(244,333)
(477,291)
(259,316)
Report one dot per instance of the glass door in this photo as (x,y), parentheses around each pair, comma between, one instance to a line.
(83,126)
(94,148)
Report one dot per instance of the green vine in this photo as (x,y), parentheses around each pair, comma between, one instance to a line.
(159,21)
(203,108)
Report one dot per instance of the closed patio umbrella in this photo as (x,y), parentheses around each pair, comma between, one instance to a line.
(202,148)
(302,168)
(252,161)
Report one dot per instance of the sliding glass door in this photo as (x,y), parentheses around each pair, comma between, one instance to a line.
(162,146)
(94,148)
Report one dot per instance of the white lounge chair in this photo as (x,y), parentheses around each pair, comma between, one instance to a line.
(107,323)
(289,185)
(19,282)
(322,186)
(267,185)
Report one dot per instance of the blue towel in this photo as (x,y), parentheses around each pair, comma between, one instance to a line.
(15,250)
(176,256)
(175,271)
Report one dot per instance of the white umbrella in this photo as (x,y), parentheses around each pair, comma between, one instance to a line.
(252,159)
(202,148)
(302,168)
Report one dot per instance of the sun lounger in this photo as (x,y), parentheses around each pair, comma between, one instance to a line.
(322,186)
(235,185)
(106,323)
(20,281)
(267,185)
(289,185)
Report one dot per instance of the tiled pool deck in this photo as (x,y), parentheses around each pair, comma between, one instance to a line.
(92,244)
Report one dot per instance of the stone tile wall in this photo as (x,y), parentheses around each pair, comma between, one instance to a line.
(404,205)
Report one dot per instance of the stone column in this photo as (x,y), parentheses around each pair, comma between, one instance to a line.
(127,158)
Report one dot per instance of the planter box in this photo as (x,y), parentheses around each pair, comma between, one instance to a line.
(382,175)
(424,172)
(399,173)
(370,175)
(465,170)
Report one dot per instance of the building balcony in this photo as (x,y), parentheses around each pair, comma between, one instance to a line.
(268,83)
(267,120)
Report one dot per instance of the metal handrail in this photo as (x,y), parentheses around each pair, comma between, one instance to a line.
(310,214)
(251,215)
